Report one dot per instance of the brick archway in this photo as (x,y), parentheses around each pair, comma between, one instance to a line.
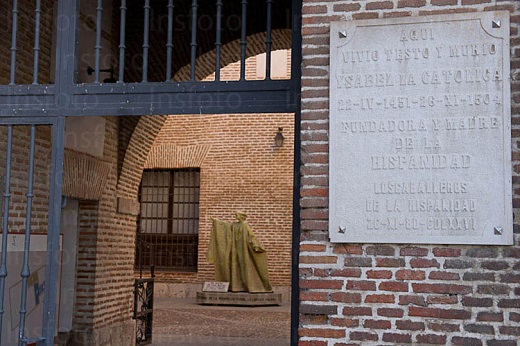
(230,53)
(136,155)
(148,127)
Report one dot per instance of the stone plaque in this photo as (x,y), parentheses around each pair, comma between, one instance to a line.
(215,286)
(420,135)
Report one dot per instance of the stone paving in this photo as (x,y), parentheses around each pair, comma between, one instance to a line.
(181,322)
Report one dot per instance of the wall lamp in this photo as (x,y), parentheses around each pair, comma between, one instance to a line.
(279,138)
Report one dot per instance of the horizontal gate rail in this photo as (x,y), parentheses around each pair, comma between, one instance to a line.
(188,98)
(148,98)
(6,121)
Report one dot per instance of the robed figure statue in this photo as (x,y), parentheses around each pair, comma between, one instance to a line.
(238,256)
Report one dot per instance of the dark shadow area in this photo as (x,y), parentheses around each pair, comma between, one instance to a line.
(182,31)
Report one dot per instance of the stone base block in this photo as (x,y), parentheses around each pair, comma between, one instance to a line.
(239,298)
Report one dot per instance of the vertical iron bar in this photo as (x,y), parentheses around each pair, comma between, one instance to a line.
(243,41)
(14,32)
(140,259)
(169,45)
(5,224)
(26,272)
(268,39)
(122,46)
(218,41)
(193,39)
(99,18)
(150,291)
(66,59)
(36,48)
(53,232)
(296,59)
(146,39)
(170,261)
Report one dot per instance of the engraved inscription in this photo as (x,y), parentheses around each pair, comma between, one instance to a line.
(418,34)
(419,131)
(420,162)
(348,80)
(420,187)
(392,126)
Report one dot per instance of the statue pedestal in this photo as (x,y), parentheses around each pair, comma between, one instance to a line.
(239,298)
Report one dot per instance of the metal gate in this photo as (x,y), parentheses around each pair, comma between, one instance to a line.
(29,103)
(27,212)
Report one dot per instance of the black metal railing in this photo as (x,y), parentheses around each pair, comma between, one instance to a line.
(247,14)
(167,252)
(191,43)
(143,308)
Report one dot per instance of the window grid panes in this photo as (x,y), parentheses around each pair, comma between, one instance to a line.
(167,232)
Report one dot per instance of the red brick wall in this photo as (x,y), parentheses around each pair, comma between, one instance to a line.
(20,176)
(115,247)
(362,294)
(242,170)
(25,41)
(104,269)
(86,267)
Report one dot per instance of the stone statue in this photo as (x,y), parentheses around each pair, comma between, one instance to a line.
(238,256)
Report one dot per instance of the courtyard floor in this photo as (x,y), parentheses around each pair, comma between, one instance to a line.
(181,322)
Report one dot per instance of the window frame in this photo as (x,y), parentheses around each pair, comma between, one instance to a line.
(183,243)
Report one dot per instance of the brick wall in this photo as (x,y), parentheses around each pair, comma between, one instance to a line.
(115,249)
(86,268)
(241,169)
(20,176)
(25,42)
(104,274)
(364,294)
(230,54)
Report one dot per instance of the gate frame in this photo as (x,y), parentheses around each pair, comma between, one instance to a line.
(50,104)
(296,76)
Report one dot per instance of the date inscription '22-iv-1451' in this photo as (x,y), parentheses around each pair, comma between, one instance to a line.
(420,134)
